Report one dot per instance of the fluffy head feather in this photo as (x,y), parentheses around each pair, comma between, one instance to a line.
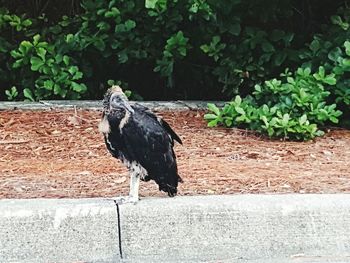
(115,98)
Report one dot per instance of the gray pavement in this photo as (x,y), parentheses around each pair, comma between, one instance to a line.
(58,230)
(238,228)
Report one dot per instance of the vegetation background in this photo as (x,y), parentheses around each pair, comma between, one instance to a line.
(284,63)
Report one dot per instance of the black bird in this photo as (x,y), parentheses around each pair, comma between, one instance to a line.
(142,141)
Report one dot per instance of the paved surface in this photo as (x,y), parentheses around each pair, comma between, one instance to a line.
(240,228)
(58,230)
(89,104)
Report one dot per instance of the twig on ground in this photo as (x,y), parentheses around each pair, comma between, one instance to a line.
(13,141)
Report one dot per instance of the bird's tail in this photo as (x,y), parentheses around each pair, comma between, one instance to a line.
(169,183)
(170,189)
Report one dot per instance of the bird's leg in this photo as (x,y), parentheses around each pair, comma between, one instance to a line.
(134,187)
(133,196)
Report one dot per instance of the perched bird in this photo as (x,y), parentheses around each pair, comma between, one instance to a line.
(142,141)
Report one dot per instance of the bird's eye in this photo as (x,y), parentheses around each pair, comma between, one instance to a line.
(115,98)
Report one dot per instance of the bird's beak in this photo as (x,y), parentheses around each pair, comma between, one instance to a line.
(127,106)
(120,101)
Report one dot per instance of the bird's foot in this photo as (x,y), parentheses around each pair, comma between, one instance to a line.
(126,200)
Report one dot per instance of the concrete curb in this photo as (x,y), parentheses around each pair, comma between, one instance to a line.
(96,105)
(240,228)
(58,230)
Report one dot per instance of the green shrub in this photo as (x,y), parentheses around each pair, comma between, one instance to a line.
(292,107)
(297,105)
(52,72)
(185,49)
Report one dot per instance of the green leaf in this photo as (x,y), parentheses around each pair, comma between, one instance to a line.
(69,38)
(15,54)
(240,110)
(48,84)
(99,44)
(128,93)
(17,63)
(25,46)
(73,69)
(330,80)
(279,58)
(212,107)
(66,60)
(291,80)
(213,123)
(28,94)
(315,45)
(41,53)
(123,57)
(119,28)
(205,48)
(27,22)
(80,88)
(129,24)
(36,39)
(235,29)
(337,20)
(36,63)
(302,119)
(182,51)
(151,4)
(347,47)
(335,54)
(285,119)
(333,119)
(228,122)
(77,75)
(114,12)
(103,26)
(321,72)
(264,119)
(210,116)
(57,89)
(307,72)
(238,100)
(346,62)
(267,47)
(110,82)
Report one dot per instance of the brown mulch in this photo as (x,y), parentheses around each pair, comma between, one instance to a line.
(60,154)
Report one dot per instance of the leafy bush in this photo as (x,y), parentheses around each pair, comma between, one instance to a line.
(298,104)
(188,49)
(55,73)
(292,107)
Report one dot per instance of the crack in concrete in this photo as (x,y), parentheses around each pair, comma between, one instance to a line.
(119,230)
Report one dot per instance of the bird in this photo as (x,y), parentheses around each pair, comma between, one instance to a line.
(142,141)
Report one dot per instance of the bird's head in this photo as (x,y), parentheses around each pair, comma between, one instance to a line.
(116,99)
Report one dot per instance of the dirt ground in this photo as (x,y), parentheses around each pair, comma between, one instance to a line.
(59,154)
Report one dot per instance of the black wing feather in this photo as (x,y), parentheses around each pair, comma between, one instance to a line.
(148,142)
(162,122)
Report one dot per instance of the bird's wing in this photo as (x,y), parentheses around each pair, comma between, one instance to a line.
(145,137)
(149,144)
(162,122)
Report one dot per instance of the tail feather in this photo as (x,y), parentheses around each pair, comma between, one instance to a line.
(168,183)
(171,190)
